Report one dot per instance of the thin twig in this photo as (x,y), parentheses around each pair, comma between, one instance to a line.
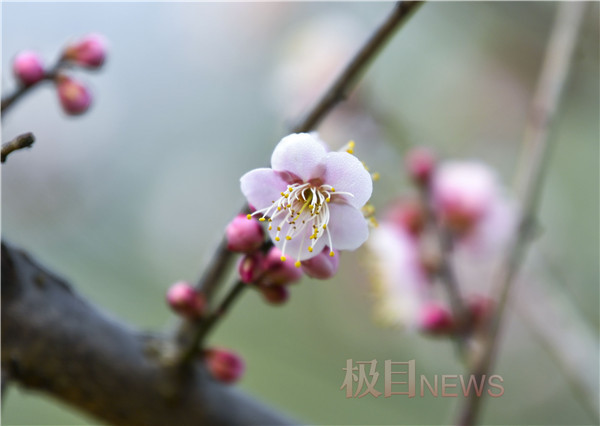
(346,81)
(545,102)
(206,326)
(339,89)
(445,271)
(22,141)
(49,75)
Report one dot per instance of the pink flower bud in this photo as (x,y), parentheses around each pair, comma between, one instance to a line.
(275,294)
(28,68)
(435,319)
(185,300)
(420,163)
(250,267)
(74,97)
(278,271)
(243,234)
(89,52)
(408,214)
(224,365)
(464,193)
(323,265)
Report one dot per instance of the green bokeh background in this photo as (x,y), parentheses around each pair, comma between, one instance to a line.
(132,196)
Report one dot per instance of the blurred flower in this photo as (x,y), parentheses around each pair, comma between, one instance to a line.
(224,365)
(322,266)
(310,197)
(74,97)
(470,201)
(89,52)
(401,287)
(28,68)
(244,234)
(185,300)
(420,163)
(433,318)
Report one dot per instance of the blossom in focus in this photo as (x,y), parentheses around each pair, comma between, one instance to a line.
(310,197)
(89,52)
(28,68)
(74,97)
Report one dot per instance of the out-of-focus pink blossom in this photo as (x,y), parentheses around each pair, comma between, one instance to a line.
(28,68)
(244,234)
(401,286)
(420,163)
(185,300)
(310,197)
(74,97)
(433,318)
(323,266)
(407,214)
(224,365)
(89,52)
(470,201)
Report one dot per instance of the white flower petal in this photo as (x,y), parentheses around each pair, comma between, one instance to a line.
(299,154)
(347,226)
(261,187)
(346,173)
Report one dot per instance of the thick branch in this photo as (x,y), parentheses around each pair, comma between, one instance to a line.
(56,342)
(545,103)
(22,141)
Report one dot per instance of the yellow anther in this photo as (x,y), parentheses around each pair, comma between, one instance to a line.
(270,227)
(331,253)
(279,208)
(262,219)
(288,238)
(276,238)
(310,249)
(297,264)
(332,189)
(324,226)
(282,194)
(375,176)
(283,258)
(350,151)
(279,229)
(328,199)
(249,216)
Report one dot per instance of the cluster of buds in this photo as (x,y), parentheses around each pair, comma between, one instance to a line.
(75,98)
(265,268)
(464,201)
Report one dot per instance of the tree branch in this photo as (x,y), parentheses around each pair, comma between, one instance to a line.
(550,85)
(22,141)
(56,342)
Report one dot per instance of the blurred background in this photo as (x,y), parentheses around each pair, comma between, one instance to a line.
(132,196)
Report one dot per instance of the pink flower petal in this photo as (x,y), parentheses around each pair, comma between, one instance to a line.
(299,154)
(346,173)
(261,187)
(347,226)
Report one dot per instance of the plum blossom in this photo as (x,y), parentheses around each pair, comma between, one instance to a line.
(401,285)
(469,199)
(310,197)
